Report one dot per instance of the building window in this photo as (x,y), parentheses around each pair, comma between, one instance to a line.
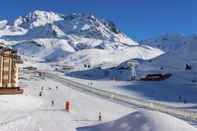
(6,68)
(5,77)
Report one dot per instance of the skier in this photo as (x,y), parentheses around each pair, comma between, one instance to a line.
(40,94)
(52,103)
(180,98)
(188,67)
(100,117)
(184,101)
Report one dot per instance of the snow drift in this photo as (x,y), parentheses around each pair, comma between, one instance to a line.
(143,121)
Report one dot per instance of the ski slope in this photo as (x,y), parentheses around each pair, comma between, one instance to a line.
(34,113)
(181,113)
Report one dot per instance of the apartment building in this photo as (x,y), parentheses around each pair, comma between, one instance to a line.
(9,61)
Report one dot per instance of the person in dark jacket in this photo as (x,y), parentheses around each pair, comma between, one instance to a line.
(100,117)
(52,103)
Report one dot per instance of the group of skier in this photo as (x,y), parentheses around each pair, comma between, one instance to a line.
(53,102)
(40,94)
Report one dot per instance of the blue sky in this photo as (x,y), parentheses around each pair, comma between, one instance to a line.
(137,18)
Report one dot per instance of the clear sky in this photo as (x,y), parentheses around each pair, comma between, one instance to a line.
(137,18)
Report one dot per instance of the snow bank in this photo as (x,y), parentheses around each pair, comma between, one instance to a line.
(143,121)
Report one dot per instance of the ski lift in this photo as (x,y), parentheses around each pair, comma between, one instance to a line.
(132,67)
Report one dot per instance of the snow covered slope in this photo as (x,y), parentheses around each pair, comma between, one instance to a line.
(95,57)
(184,55)
(6,29)
(36,19)
(143,121)
(75,39)
(167,42)
(44,49)
(175,63)
(42,24)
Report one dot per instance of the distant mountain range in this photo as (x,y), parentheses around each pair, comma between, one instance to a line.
(169,42)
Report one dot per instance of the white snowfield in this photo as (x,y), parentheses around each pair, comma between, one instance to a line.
(6,29)
(181,113)
(168,42)
(177,59)
(31,112)
(82,51)
(142,121)
(95,57)
(24,102)
(35,113)
(37,18)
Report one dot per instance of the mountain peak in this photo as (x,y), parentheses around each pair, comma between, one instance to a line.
(172,36)
(3,23)
(168,42)
(37,18)
(37,12)
(47,24)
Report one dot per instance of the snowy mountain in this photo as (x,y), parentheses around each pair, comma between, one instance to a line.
(111,57)
(167,42)
(75,38)
(6,29)
(175,62)
(185,54)
(36,19)
(44,49)
(3,24)
(42,24)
